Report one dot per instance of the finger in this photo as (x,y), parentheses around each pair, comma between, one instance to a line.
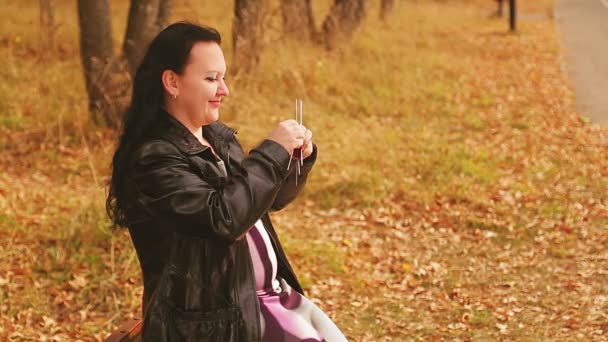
(308,137)
(300,132)
(308,149)
(291,123)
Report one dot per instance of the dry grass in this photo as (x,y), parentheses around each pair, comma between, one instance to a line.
(457,194)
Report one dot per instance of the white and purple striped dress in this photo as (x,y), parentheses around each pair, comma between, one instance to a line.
(285,314)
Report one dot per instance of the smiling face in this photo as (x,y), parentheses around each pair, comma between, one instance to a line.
(201,86)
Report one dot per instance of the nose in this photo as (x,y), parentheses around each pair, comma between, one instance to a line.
(223,89)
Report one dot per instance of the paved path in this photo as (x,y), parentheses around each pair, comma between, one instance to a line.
(583,25)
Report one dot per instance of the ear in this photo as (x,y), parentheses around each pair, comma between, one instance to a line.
(170,82)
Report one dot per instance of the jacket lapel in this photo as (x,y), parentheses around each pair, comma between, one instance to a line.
(217,133)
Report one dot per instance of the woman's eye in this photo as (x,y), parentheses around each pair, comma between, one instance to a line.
(214,79)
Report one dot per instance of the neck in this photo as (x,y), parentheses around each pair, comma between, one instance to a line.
(196,130)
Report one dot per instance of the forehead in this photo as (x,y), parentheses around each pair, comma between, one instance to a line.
(205,56)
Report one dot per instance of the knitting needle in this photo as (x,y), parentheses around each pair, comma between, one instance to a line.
(298,119)
(291,155)
(301,122)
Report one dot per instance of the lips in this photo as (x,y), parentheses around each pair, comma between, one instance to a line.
(215,103)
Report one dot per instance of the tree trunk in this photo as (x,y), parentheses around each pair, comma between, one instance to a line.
(97,54)
(298,20)
(512,15)
(246,35)
(47,23)
(164,12)
(343,19)
(386,6)
(141,28)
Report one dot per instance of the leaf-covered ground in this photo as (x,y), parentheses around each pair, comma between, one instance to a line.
(457,195)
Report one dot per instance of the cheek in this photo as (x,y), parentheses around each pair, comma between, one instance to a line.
(210,90)
(205,90)
(200,93)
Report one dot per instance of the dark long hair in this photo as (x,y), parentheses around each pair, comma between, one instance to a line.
(170,49)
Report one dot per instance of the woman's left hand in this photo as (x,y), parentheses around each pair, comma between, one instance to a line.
(307,148)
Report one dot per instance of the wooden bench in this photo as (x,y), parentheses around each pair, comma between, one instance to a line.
(129,331)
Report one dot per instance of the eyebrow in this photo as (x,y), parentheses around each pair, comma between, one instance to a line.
(210,71)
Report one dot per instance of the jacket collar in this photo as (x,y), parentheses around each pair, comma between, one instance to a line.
(174,131)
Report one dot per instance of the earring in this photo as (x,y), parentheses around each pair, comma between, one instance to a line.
(174,96)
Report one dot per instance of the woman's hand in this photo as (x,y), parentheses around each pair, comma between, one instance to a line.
(307,148)
(290,134)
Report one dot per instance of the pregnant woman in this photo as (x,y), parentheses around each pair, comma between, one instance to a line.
(196,205)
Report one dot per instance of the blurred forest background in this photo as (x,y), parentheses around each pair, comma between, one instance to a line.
(457,194)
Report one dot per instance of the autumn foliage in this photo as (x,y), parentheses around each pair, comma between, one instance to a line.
(457,194)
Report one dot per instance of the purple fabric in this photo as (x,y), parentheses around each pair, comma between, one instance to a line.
(286,315)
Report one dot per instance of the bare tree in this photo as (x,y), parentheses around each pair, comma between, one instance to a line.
(47,23)
(343,19)
(247,34)
(164,11)
(513,15)
(298,20)
(96,53)
(386,6)
(107,77)
(142,26)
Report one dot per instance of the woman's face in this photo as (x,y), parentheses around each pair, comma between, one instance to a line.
(201,85)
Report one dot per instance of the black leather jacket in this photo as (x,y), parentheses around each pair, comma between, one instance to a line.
(188,227)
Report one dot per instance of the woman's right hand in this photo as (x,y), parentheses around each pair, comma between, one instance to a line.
(290,134)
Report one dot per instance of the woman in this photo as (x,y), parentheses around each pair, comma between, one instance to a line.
(196,205)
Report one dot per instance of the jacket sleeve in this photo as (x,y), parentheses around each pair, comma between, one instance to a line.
(170,189)
(289,190)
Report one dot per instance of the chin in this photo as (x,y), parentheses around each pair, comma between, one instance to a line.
(208,118)
(213,116)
